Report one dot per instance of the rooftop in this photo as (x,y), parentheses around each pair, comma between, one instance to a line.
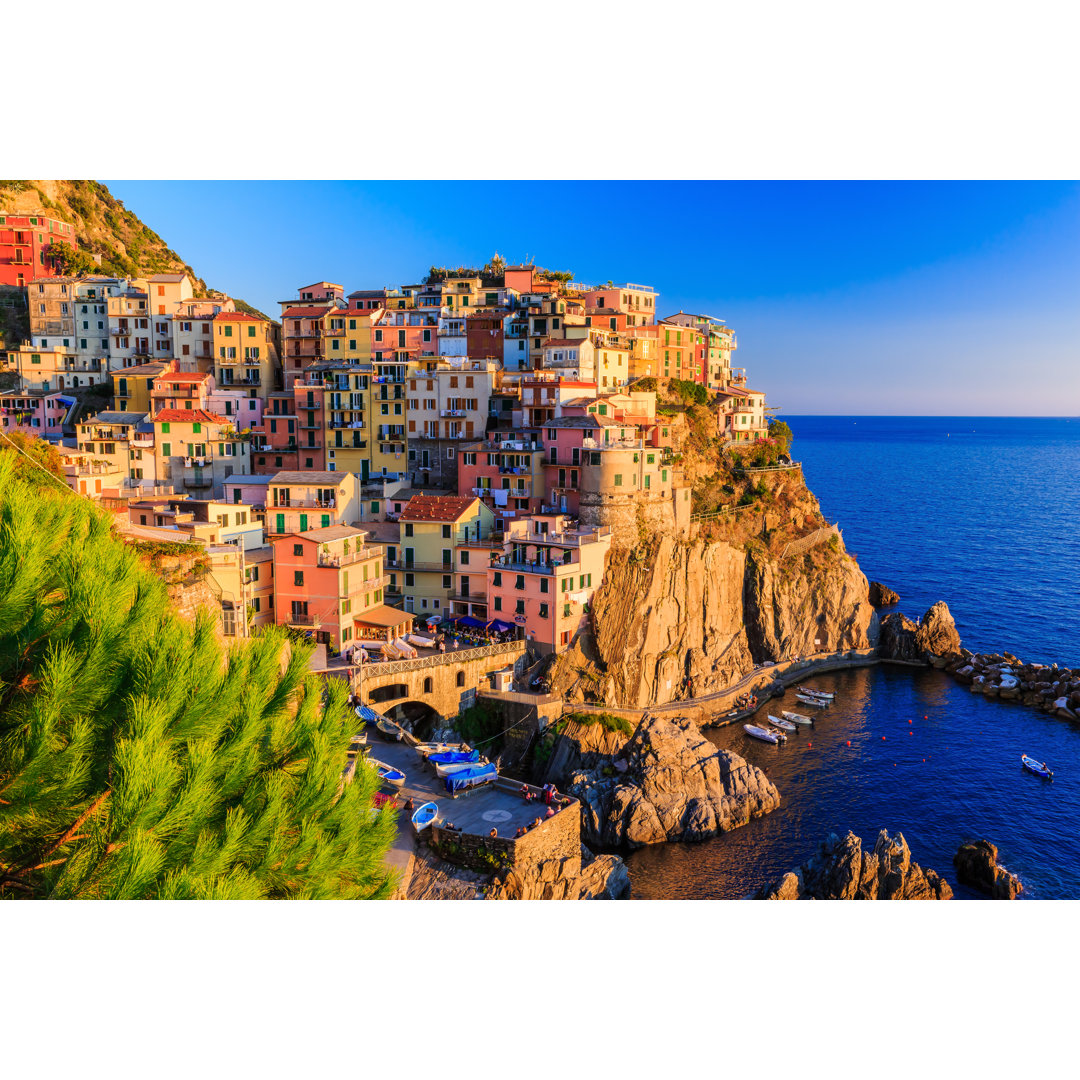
(331,478)
(332,532)
(188,416)
(384,615)
(128,418)
(437,507)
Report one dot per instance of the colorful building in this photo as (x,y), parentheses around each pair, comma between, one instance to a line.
(24,246)
(299,501)
(41,413)
(245,356)
(196,450)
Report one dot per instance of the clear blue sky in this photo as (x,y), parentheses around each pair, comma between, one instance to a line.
(937,298)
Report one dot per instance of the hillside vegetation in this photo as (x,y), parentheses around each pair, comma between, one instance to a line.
(105,228)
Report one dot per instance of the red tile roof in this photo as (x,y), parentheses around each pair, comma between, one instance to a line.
(187,416)
(236,316)
(437,507)
(309,312)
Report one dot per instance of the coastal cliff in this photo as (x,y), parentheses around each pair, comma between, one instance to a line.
(685,619)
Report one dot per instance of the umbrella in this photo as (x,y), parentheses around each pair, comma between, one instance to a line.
(499,626)
(468,620)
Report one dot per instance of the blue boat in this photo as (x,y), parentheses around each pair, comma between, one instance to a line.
(470,777)
(369,716)
(387,773)
(1037,767)
(425,815)
(453,757)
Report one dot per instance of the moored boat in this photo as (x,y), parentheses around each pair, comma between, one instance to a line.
(796,718)
(817,703)
(457,766)
(1037,767)
(783,725)
(389,729)
(815,693)
(387,773)
(763,734)
(425,815)
(453,757)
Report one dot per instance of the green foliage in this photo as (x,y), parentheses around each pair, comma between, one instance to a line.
(644,385)
(27,455)
(609,721)
(692,393)
(782,435)
(140,759)
(562,276)
(480,722)
(71,261)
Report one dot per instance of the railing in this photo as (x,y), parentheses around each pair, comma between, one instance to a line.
(342,559)
(452,412)
(772,468)
(458,656)
(518,567)
(306,504)
(422,567)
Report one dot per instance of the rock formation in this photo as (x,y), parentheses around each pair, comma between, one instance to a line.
(1052,689)
(934,638)
(669,783)
(687,618)
(882,595)
(841,870)
(976,865)
(592,877)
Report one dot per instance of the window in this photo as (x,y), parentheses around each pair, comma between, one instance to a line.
(543,611)
(519,583)
(408,528)
(446,532)
(618,479)
(463,558)
(496,578)
(297,549)
(461,678)
(543,585)
(166,449)
(519,608)
(427,685)
(298,577)
(498,603)
(446,582)
(165,428)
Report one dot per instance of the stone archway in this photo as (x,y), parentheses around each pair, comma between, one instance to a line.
(415,716)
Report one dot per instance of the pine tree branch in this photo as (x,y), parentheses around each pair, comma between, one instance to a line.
(80,821)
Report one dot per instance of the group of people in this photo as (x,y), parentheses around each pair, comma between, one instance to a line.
(746,701)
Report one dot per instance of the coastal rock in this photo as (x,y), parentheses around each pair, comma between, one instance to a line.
(897,639)
(676,786)
(841,870)
(937,635)
(580,748)
(976,865)
(882,595)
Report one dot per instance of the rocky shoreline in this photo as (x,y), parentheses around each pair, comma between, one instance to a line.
(842,870)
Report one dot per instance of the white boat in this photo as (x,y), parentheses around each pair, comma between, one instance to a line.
(816,702)
(425,748)
(456,767)
(783,725)
(796,718)
(810,691)
(764,734)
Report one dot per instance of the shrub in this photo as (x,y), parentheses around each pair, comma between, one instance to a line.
(606,720)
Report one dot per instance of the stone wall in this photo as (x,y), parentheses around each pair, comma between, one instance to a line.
(557,837)
(523,718)
(625,514)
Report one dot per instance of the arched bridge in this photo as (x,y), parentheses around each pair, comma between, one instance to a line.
(445,682)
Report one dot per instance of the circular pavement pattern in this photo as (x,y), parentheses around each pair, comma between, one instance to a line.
(497,815)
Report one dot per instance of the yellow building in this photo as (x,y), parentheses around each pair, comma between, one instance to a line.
(196,450)
(461,294)
(133,386)
(245,356)
(54,369)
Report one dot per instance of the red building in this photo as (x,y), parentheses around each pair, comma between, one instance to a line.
(24,246)
(275,442)
(484,336)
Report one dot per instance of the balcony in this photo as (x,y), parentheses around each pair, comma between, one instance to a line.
(469,598)
(306,504)
(421,567)
(338,559)
(452,412)
(307,404)
(346,425)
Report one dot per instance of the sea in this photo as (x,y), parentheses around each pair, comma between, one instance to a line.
(983,513)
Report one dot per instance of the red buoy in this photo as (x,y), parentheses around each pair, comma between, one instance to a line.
(882,738)
(849,742)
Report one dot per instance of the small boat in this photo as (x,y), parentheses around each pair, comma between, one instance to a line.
(357,744)
(1036,767)
(811,692)
(764,734)
(817,703)
(369,716)
(425,815)
(453,757)
(387,773)
(796,718)
(783,725)
(389,729)
(471,776)
(425,749)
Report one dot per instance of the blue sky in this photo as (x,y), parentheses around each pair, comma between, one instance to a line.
(936,298)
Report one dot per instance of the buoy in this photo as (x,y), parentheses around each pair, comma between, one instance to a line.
(926,717)
(882,738)
(909,721)
(849,742)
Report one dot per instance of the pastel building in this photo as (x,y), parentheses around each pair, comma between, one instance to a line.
(544,581)
(299,501)
(126,439)
(51,307)
(196,450)
(133,386)
(245,355)
(430,527)
(636,304)
(89,475)
(507,474)
(274,440)
(25,240)
(55,368)
(328,580)
(742,416)
(129,328)
(193,341)
(41,413)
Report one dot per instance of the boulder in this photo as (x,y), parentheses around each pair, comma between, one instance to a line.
(937,634)
(675,786)
(976,865)
(882,595)
(841,870)
(897,639)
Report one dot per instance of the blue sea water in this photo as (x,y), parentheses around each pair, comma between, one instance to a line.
(981,513)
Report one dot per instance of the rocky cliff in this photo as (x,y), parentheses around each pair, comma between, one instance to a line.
(841,870)
(669,783)
(683,619)
(976,865)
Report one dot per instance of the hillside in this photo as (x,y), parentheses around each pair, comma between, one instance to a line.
(127,247)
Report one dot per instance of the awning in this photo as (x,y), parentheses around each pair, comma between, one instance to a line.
(499,626)
(382,615)
(468,620)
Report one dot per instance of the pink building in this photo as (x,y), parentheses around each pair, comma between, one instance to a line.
(35,412)
(546,578)
(243,410)
(182,390)
(505,473)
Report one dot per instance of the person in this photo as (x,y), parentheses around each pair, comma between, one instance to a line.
(550,812)
(520,832)
(442,646)
(494,832)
